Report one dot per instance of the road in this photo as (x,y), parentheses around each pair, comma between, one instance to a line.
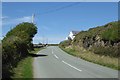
(52,62)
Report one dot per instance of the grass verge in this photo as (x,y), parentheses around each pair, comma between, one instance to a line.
(24,68)
(107,61)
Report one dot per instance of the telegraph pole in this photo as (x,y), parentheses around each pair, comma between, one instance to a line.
(47,41)
(33,15)
(43,39)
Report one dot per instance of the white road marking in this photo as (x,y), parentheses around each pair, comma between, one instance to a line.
(71,66)
(55,56)
(52,51)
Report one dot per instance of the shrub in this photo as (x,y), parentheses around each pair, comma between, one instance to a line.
(106,50)
(112,33)
(15,46)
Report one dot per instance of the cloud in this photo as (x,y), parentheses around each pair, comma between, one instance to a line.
(4,17)
(24,19)
(16,20)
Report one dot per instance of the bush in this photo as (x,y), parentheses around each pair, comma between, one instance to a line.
(106,50)
(15,46)
(112,34)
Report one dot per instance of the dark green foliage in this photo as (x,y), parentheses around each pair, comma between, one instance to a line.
(16,44)
(25,31)
(112,34)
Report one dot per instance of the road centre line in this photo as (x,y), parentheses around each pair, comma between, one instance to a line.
(55,56)
(52,51)
(71,66)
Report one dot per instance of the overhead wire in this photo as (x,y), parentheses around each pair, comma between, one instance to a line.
(57,9)
(60,8)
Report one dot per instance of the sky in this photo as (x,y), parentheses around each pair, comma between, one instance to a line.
(55,20)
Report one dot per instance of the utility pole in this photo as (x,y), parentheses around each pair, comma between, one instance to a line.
(43,39)
(33,18)
(47,41)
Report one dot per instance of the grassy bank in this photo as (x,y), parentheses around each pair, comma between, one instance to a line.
(24,68)
(107,61)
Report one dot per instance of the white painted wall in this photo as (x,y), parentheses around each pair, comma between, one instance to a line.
(71,35)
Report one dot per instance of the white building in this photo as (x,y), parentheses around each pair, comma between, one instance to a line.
(73,34)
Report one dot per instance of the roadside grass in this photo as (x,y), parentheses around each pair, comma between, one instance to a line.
(107,61)
(24,68)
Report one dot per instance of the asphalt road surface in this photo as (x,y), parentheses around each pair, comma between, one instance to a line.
(53,62)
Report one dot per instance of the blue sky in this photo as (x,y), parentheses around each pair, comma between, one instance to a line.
(55,25)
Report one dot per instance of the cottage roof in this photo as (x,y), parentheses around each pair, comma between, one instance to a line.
(75,32)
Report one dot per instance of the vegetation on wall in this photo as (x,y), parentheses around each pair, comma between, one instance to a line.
(102,41)
(112,34)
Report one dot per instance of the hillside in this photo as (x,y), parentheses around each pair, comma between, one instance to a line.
(100,40)
(96,44)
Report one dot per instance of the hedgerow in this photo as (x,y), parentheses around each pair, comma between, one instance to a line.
(15,46)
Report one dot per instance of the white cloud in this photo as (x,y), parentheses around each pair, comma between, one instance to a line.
(4,17)
(16,21)
(24,19)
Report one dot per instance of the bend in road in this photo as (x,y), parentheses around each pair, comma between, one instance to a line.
(59,64)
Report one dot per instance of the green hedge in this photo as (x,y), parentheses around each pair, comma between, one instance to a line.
(15,46)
